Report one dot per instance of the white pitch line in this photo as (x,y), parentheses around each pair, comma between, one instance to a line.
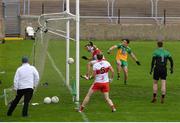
(85,118)
(2,72)
(58,71)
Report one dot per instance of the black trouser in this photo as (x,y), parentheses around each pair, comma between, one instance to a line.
(27,93)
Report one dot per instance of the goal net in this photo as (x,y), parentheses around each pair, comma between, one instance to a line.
(9,95)
(55,43)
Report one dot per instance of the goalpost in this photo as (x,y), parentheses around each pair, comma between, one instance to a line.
(59,27)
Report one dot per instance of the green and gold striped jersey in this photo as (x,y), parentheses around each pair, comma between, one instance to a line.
(122,52)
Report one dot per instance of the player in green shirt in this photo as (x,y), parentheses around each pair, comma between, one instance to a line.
(123,50)
(158,64)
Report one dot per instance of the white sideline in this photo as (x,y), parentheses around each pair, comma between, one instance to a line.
(85,118)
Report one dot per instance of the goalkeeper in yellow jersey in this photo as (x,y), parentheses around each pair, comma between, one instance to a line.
(121,58)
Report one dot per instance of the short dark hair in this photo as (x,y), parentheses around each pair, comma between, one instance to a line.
(160,44)
(99,56)
(89,44)
(127,40)
(25,59)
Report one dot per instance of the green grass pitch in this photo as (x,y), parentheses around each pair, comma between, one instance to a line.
(132,100)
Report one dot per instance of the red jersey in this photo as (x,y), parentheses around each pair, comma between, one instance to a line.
(94,53)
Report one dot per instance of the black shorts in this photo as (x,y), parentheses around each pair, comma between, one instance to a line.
(160,73)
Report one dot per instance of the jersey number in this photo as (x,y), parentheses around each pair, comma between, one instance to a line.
(102,70)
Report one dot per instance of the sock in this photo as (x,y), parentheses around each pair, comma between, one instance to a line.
(112,107)
(118,74)
(81,108)
(154,95)
(163,96)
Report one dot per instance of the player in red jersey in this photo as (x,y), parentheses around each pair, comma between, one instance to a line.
(90,47)
(101,82)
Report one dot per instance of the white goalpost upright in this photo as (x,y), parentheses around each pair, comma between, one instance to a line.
(77,46)
(67,43)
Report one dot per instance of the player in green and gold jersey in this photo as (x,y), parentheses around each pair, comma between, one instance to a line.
(121,57)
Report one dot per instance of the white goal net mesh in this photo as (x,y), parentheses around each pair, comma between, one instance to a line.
(50,50)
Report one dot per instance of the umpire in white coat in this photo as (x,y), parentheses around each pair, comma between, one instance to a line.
(25,80)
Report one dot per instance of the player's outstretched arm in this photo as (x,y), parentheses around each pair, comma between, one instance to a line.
(111,48)
(135,59)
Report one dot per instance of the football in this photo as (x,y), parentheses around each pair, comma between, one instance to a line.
(47,100)
(54,99)
(70,61)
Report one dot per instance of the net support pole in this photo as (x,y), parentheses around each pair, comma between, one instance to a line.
(77,50)
(164,17)
(24,6)
(42,8)
(152,8)
(67,44)
(29,7)
(119,14)
(108,8)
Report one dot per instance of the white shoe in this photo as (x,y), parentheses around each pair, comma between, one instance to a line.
(114,110)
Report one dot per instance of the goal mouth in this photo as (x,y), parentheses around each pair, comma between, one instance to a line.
(56,41)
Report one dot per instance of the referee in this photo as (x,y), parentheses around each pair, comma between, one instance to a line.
(158,64)
(25,80)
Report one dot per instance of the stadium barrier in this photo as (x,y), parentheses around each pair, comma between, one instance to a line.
(131,31)
(1,29)
(113,31)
